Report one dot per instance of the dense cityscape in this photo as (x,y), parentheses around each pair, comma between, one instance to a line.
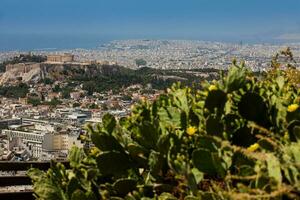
(149,100)
(176,54)
(46,121)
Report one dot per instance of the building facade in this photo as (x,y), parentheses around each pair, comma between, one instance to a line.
(34,141)
(22,67)
(40,142)
(60,58)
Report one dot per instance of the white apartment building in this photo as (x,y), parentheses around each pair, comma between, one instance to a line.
(33,140)
(39,142)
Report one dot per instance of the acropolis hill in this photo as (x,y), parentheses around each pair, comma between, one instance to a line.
(55,67)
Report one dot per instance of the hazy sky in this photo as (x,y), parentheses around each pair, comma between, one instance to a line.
(194,19)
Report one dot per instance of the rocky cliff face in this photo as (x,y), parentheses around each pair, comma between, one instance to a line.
(18,73)
(34,72)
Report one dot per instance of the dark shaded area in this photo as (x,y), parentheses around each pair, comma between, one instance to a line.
(14,91)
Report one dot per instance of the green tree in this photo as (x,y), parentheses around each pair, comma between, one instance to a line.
(93,106)
(34,101)
(140,62)
(76,104)
(90,87)
(54,102)
(47,81)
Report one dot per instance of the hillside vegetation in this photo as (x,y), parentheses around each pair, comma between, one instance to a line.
(117,80)
(236,138)
(98,78)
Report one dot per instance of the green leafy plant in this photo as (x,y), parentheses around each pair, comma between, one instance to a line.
(236,138)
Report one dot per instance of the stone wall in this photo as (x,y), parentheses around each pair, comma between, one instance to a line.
(22,67)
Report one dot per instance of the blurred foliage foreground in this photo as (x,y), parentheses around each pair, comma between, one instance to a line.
(236,138)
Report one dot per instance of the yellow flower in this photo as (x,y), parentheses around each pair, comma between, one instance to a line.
(212,87)
(286,136)
(191,130)
(292,107)
(95,151)
(253,147)
(71,174)
(82,137)
(132,107)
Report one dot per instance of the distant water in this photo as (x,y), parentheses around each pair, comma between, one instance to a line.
(46,42)
(26,42)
